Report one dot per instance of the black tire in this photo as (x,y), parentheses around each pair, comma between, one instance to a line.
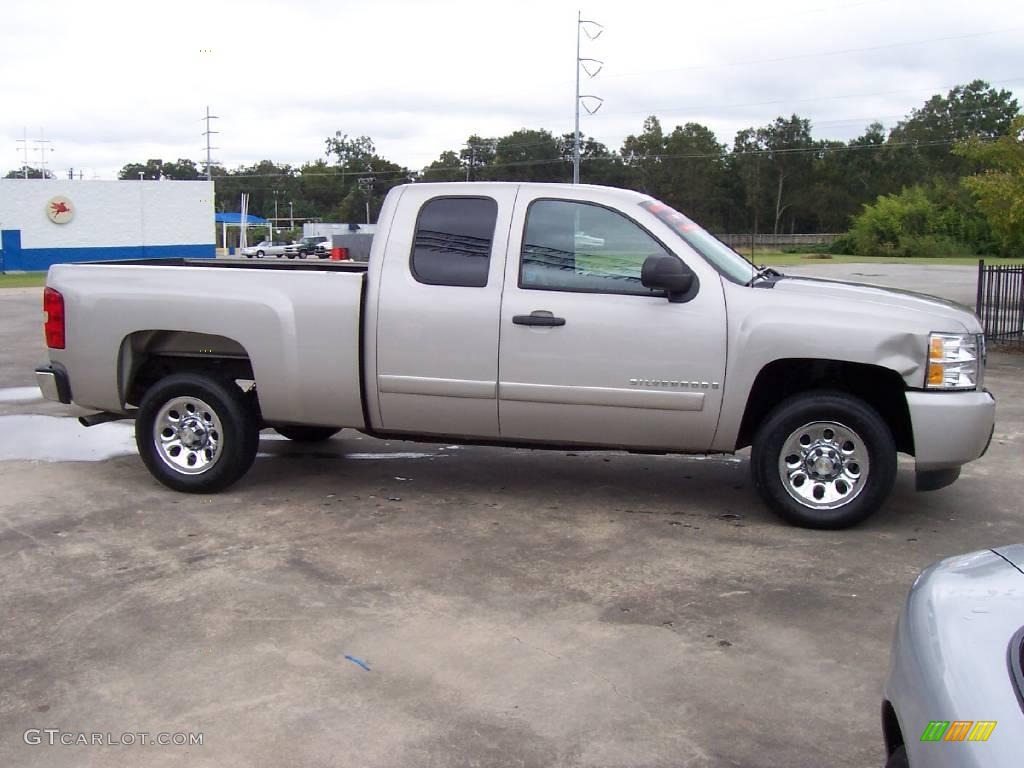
(858,427)
(290,255)
(260,254)
(302,254)
(898,759)
(248,255)
(302,434)
(237,438)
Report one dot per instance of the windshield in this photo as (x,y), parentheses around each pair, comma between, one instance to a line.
(715,252)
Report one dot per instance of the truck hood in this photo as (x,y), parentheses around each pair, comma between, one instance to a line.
(946,315)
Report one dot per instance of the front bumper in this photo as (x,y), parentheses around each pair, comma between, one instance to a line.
(950,428)
(53,383)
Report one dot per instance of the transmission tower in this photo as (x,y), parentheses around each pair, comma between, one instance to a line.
(208,133)
(593,31)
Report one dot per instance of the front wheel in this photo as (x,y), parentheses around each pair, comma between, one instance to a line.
(196,433)
(301,434)
(824,460)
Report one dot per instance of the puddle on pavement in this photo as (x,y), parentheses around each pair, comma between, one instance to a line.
(29,437)
(20,394)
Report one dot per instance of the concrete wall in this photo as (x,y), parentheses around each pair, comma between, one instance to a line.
(112,220)
(775,241)
(315,229)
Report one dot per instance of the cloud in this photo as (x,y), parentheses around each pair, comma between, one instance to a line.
(113,81)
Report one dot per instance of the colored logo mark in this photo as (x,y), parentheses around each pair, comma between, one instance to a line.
(958,730)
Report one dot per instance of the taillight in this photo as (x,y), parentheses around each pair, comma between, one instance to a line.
(53,327)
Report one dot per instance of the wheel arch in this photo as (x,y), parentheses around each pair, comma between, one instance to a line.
(891,731)
(147,356)
(882,388)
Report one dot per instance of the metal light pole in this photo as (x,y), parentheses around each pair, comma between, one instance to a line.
(291,214)
(580,22)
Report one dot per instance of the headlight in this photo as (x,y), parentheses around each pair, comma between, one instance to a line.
(953,361)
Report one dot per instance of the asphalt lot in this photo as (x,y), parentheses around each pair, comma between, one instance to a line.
(515,608)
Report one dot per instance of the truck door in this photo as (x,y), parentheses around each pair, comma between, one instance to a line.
(438,312)
(590,356)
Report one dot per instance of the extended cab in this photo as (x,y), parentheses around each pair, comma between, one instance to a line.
(534,315)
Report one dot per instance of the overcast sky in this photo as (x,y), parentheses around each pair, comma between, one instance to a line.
(117,82)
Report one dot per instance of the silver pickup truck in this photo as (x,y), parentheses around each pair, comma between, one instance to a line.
(534,315)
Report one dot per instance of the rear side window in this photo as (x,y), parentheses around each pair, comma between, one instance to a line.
(453,241)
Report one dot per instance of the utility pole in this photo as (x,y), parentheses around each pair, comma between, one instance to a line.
(581,63)
(291,214)
(366,187)
(472,159)
(24,152)
(207,133)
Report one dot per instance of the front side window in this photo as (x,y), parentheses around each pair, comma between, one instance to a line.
(570,246)
(452,245)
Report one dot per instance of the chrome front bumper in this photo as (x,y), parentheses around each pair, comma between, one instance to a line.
(950,428)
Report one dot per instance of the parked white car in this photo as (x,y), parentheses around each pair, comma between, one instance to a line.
(264,248)
(954,697)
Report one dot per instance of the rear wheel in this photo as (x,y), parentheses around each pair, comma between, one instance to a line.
(307,434)
(824,460)
(196,433)
(259,254)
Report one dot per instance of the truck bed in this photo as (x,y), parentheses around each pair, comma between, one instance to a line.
(299,331)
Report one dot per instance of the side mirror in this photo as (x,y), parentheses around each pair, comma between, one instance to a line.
(669,274)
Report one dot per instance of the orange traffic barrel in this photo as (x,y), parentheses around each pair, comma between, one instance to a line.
(339,254)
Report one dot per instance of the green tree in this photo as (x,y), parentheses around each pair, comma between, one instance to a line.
(447,167)
(33,173)
(999,189)
(922,143)
(155,169)
(528,155)
(642,154)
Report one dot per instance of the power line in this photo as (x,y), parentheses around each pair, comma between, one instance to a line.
(819,150)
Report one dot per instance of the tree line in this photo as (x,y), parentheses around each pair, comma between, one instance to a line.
(775,178)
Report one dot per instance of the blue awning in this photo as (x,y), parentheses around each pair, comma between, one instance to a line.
(236,218)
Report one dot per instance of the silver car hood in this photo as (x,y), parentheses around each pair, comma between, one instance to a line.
(948,315)
(1014,554)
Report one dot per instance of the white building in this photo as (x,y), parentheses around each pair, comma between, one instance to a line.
(52,221)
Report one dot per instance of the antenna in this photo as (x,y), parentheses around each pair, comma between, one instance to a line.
(24,152)
(591,67)
(42,149)
(207,133)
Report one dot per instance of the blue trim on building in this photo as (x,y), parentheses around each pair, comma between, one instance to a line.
(38,259)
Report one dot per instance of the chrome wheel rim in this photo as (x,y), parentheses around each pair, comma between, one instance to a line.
(188,435)
(824,465)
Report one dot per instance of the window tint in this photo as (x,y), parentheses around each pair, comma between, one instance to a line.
(572,246)
(453,241)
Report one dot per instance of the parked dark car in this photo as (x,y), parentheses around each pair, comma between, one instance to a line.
(304,247)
